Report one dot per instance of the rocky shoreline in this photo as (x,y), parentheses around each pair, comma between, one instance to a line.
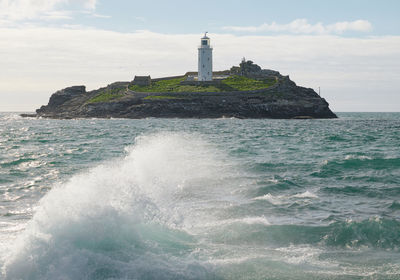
(282,100)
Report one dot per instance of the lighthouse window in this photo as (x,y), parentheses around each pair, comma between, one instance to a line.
(204,42)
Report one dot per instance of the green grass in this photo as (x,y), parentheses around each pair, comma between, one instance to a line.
(242,83)
(160,86)
(173,85)
(233,83)
(106,96)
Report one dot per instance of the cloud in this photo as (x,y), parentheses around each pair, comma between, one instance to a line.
(56,15)
(89,4)
(302,26)
(25,9)
(99,15)
(20,10)
(141,19)
(358,25)
(355,74)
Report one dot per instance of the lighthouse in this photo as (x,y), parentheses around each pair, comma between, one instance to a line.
(205,59)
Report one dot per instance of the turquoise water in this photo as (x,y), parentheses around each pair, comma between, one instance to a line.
(200,199)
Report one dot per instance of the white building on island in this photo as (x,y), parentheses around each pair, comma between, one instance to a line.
(205,59)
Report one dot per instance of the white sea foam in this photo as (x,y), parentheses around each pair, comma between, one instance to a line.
(255,220)
(11,117)
(120,219)
(306,194)
(261,220)
(304,254)
(276,200)
(275,181)
(282,199)
(348,157)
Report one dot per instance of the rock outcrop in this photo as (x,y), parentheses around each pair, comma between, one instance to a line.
(284,99)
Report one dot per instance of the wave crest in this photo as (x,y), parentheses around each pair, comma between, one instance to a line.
(122,219)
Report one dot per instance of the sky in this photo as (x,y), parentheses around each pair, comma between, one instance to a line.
(350,49)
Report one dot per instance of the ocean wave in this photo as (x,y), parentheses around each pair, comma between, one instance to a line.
(284,199)
(351,165)
(16,162)
(362,161)
(395,205)
(360,157)
(11,117)
(275,200)
(306,194)
(123,219)
(352,191)
(261,220)
(375,233)
(277,184)
(303,254)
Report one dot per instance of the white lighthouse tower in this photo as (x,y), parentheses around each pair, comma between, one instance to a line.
(205,59)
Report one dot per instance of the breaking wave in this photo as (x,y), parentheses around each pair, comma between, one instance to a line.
(128,218)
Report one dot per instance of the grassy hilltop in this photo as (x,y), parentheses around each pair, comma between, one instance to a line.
(232,83)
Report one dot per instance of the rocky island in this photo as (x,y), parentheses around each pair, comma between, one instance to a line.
(244,91)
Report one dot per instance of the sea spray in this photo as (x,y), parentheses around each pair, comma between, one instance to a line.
(125,218)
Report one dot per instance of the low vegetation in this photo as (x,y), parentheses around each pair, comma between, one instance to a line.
(233,83)
(242,83)
(106,96)
(173,85)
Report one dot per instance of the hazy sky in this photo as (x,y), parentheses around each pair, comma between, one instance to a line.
(349,48)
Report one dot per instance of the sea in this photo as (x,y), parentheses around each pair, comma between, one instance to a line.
(200,198)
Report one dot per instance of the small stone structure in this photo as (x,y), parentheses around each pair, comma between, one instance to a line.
(142,80)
